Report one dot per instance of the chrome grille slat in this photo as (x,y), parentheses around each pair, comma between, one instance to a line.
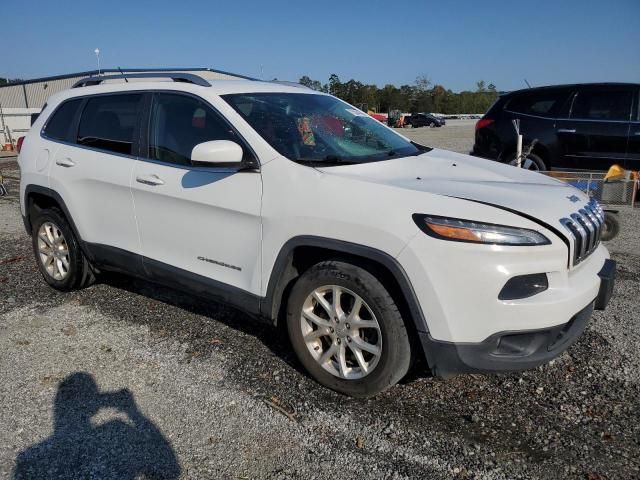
(582,231)
(591,226)
(584,228)
(599,223)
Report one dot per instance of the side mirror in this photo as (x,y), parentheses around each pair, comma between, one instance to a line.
(217,153)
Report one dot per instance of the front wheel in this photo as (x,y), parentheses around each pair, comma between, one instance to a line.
(346,329)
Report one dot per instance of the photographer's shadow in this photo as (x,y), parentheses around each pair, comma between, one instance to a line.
(129,446)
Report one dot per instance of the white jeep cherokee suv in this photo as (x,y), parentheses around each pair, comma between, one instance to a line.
(297,207)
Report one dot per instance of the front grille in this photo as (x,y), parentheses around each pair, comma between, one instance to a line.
(585,228)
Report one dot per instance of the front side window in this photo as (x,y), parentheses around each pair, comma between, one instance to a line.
(602,105)
(108,122)
(59,125)
(319,128)
(179,123)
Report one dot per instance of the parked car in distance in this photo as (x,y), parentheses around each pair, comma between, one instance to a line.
(578,127)
(243,192)
(424,120)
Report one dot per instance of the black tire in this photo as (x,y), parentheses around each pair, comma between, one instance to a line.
(80,273)
(611,227)
(395,359)
(432,125)
(538,163)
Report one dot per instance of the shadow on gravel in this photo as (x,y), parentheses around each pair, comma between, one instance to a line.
(127,448)
(204,313)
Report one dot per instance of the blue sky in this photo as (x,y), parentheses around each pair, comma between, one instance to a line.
(454,42)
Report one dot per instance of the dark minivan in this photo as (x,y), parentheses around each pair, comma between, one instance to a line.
(578,127)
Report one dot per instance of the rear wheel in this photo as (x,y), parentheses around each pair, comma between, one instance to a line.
(346,329)
(532,162)
(58,255)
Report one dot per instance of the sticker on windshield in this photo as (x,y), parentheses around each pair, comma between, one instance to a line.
(355,112)
(304,127)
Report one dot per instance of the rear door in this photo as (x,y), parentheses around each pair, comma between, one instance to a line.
(200,226)
(595,134)
(92,172)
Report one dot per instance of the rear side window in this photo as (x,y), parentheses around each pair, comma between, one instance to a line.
(108,122)
(602,105)
(61,122)
(543,104)
(179,123)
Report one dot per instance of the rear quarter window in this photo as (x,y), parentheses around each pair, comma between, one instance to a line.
(542,104)
(59,126)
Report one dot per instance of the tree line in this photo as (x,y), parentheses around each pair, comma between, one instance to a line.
(6,81)
(422,96)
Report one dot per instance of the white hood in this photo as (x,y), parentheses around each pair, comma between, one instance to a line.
(456,175)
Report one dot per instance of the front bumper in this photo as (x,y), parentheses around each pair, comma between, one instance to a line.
(516,350)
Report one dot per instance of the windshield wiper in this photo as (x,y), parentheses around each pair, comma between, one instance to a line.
(329,159)
(335,158)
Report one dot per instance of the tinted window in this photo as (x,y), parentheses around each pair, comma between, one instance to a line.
(59,125)
(602,105)
(108,122)
(541,103)
(179,123)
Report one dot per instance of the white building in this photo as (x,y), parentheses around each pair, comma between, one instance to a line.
(21,99)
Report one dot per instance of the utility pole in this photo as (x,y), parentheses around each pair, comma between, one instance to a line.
(97,52)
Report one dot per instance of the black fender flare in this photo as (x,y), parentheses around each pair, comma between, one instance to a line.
(48,192)
(281,274)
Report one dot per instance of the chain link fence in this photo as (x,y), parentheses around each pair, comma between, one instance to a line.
(618,191)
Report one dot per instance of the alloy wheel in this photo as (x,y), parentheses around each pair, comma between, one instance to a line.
(53,251)
(341,332)
(527,164)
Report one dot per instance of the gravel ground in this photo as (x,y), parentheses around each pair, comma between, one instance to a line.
(456,135)
(127,380)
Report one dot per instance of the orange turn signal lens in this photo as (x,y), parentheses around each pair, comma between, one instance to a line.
(455,233)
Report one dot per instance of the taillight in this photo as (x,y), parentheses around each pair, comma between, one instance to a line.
(19,144)
(484,122)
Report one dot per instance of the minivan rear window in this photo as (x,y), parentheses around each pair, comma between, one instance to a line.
(542,103)
(108,122)
(58,127)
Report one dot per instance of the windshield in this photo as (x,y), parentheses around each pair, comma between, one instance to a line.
(311,128)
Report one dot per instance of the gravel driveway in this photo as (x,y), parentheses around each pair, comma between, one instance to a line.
(129,380)
(456,135)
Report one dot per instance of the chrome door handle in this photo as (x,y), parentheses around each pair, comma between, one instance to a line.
(65,162)
(152,180)
(637,134)
(566,130)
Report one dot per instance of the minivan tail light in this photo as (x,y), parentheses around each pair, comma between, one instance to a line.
(484,122)
(19,144)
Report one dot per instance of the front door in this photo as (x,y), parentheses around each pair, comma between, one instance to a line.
(594,137)
(199,225)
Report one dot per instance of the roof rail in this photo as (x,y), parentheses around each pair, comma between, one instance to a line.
(175,76)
